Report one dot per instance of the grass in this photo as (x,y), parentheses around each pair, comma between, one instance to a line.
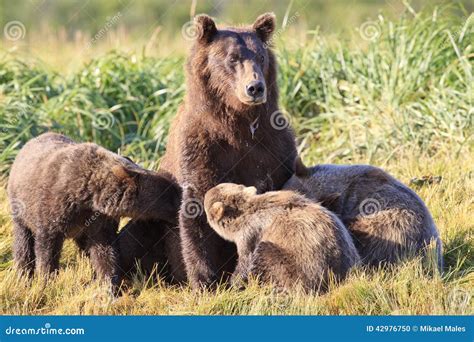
(402,101)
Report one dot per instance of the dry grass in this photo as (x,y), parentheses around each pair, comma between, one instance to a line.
(407,289)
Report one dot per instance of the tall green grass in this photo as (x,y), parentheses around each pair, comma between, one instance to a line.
(410,86)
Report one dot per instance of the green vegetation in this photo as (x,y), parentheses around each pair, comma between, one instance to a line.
(402,100)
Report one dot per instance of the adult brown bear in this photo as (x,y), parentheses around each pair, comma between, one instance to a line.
(224,133)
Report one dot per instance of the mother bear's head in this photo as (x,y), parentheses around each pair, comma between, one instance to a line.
(234,65)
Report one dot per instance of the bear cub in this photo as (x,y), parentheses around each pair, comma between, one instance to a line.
(151,248)
(61,189)
(281,237)
(387,220)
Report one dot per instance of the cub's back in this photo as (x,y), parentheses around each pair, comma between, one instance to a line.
(36,162)
(314,237)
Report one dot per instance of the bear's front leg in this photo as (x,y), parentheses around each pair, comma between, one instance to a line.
(199,246)
(207,257)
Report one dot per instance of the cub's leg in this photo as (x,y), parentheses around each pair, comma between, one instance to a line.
(23,248)
(81,243)
(104,255)
(240,276)
(48,246)
(273,265)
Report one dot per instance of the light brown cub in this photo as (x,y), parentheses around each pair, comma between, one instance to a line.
(281,237)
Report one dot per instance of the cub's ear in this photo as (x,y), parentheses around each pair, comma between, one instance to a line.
(206,28)
(300,169)
(216,211)
(250,191)
(122,173)
(264,26)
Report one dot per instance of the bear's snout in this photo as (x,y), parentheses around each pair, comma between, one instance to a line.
(255,90)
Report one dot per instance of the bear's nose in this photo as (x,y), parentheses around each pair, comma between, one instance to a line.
(255,89)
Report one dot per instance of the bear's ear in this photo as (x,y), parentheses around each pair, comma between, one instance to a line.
(206,28)
(217,211)
(122,173)
(300,169)
(264,26)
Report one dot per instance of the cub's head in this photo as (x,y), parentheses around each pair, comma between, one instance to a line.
(156,195)
(234,64)
(225,204)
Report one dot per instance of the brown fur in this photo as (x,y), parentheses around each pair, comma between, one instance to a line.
(387,219)
(149,246)
(281,237)
(79,191)
(210,140)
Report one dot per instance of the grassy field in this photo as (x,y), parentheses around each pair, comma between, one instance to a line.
(398,94)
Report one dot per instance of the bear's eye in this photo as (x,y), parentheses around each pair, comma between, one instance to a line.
(261,59)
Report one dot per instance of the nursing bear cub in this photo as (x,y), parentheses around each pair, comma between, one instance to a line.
(60,189)
(387,220)
(281,237)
